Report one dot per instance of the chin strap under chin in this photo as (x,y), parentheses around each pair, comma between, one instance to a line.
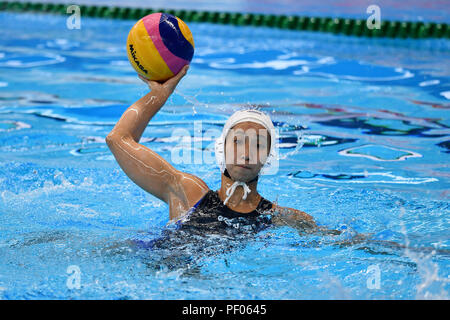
(233,187)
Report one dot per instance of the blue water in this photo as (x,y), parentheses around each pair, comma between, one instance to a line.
(364,148)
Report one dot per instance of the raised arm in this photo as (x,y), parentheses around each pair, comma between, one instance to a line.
(144,166)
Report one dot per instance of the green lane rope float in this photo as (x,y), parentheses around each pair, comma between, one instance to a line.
(351,27)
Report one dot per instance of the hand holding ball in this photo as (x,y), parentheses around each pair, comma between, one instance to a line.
(159,46)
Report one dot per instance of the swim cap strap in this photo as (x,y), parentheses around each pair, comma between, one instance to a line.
(233,187)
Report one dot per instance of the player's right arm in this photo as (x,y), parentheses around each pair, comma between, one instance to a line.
(144,166)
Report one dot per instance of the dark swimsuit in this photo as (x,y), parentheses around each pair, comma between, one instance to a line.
(208,229)
(210,215)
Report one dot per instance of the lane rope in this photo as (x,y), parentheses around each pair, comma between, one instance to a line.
(346,26)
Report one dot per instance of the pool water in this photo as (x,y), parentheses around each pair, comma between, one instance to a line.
(364,148)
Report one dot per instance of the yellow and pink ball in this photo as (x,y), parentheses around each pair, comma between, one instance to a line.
(159,46)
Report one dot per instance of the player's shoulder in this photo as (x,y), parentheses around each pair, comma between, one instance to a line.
(193,187)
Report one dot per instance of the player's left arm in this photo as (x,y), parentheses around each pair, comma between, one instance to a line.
(303,222)
(292,217)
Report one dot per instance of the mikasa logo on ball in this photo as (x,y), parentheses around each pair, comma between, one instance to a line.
(133,54)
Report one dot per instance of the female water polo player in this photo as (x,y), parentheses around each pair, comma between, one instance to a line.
(245,147)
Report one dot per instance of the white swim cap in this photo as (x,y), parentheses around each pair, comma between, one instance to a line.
(251,115)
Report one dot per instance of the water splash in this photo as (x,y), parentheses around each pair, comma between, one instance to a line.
(426,269)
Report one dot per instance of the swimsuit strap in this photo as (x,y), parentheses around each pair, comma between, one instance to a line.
(264,205)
